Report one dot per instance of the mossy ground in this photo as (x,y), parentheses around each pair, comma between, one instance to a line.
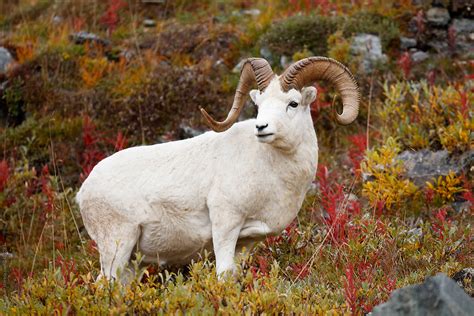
(66,106)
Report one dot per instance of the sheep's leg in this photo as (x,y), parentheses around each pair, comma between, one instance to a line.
(115,249)
(225,232)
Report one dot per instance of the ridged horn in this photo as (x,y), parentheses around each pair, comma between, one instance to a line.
(253,70)
(308,70)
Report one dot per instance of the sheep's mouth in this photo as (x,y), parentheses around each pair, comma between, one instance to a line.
(264,135)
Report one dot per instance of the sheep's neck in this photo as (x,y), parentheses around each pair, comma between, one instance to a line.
(299,167)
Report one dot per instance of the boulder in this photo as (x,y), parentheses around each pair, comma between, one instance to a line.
(285,61)
(6,60)
(424,165)
(407,42)
(419,56)
(369,47)
(237,68)
(437,296)
(267,54)
(463,25)
(186,131)
(464,32)
(438,16)
(149,23)
(83,37)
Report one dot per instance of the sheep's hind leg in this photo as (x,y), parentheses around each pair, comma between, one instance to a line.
(115,249)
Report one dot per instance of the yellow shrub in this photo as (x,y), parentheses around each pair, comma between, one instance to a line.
(457,136)
(446,187)
(387,185)
(92,70)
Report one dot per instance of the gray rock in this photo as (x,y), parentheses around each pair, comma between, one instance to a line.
(438,16)
(57,19)
(419,56)
(464,30)
(149,23)
(6,255)
(83,37)
(407,42)
(267,54)
(186,131)
(424,165)
(285,61)
(252,12)
(461,206)
(6,60)
(438,295)
(237,68)
(370,48)
(463,25)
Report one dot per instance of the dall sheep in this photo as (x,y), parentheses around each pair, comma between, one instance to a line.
(219,191)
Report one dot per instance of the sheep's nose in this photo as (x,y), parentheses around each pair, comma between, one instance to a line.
(261,127)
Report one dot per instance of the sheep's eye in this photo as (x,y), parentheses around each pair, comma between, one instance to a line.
(293,104)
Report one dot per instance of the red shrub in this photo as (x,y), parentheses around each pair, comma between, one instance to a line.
(4,174)
(91,154)
(111,18)
(47,191)
(357,151)
(405,63)
(17,275)
(93,142)
(332,198)
(440,222)
(420,22)
(350,291)
(120,142)
(464,102)
(68,269)
(300,270)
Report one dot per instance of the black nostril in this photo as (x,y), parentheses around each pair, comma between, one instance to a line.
(261,127)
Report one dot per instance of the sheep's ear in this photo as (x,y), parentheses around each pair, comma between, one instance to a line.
(308,95)
(254,93)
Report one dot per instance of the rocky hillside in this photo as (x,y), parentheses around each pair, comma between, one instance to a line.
(390,205)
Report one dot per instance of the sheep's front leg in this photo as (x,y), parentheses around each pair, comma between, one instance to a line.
(225,232)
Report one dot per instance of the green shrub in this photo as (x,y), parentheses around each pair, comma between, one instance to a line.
(372,23)
(299,32)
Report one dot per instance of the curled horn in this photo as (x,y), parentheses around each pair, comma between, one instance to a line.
(308,70)
(253,69)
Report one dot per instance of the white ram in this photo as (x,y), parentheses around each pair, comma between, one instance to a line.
(221,190)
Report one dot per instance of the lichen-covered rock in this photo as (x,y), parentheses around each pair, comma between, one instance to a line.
(438,295)
(424,165)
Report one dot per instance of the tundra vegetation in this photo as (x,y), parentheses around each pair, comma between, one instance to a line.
(365,227)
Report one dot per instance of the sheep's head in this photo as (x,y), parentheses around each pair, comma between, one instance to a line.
(284,101)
